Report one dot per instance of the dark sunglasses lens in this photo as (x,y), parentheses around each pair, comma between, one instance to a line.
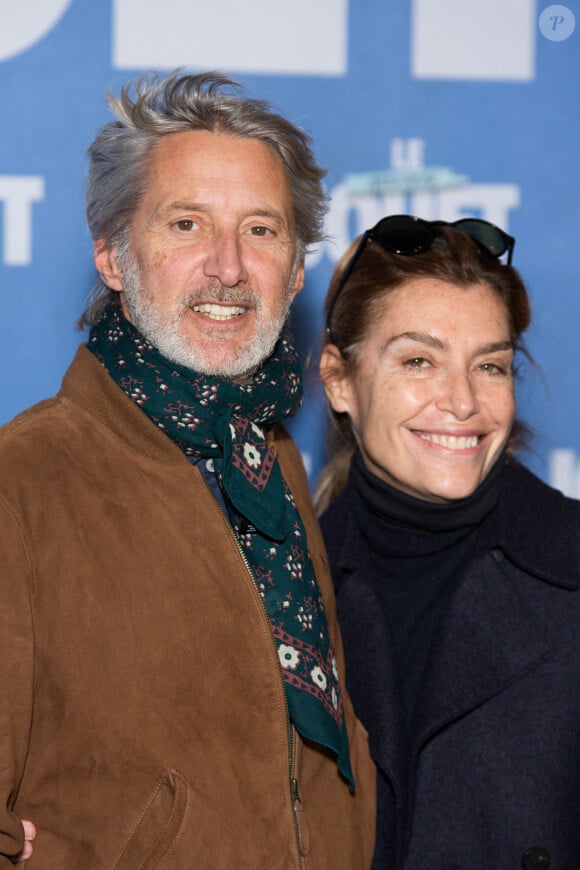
(403,235)
(492,238)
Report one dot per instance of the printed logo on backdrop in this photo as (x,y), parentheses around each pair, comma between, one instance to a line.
(410,187)
(23,24)
(564,472)
(471,39)
(277,38)
(17,195)
(26,22)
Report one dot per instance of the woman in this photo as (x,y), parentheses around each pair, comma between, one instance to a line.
(456,570)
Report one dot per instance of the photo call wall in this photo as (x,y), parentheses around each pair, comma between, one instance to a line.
(438,108)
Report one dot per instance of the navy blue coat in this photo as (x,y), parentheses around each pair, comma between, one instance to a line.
(495,749)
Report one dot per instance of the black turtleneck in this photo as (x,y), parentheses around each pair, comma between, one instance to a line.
(415,552)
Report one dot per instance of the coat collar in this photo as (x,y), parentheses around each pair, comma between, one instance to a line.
(536,528)
(529,516)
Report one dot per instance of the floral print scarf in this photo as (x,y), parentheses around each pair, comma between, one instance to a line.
(225,423)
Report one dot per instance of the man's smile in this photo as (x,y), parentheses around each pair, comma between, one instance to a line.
(219,312)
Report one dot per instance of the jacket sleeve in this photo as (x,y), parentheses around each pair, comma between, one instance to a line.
(16,674)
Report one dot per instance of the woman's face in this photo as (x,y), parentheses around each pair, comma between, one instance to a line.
(432,401)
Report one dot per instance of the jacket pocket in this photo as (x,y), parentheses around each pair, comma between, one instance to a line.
(159,826)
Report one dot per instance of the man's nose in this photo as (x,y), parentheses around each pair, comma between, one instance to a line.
(224,260)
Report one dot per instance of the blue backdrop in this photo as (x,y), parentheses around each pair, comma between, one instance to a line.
(440,108)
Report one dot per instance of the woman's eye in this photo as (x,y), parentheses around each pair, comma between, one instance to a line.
(492,369)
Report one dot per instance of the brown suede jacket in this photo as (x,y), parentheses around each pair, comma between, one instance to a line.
(142,715)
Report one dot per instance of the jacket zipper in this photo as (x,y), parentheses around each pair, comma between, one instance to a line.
(293,779)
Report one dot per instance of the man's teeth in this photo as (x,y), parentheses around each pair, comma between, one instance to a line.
(219,312)
(453,442)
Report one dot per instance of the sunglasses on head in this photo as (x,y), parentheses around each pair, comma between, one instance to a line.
(407,235)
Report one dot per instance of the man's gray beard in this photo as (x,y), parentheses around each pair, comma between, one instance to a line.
(162,330)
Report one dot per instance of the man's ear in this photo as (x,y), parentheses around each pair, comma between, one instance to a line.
(335,380)
(298,279)
(105,259)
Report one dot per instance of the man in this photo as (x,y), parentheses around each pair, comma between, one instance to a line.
(171,665)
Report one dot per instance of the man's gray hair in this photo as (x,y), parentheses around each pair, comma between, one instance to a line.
(152,107)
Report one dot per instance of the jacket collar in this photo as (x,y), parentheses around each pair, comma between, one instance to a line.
(88,385)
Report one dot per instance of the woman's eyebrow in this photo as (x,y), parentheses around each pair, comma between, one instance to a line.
(494,346)
(422,337)
(432,341)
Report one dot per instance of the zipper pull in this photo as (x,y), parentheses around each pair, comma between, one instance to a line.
(300,817)
(294,789)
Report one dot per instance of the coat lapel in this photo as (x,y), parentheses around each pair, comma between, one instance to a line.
(375,692)
(488,639)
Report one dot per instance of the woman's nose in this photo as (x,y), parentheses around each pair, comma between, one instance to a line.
(459,396)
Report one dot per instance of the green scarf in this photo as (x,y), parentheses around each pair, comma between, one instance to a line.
(225,424)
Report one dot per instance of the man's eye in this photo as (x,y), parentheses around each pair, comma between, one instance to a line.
(416,362)
(185,224)
(260,231)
